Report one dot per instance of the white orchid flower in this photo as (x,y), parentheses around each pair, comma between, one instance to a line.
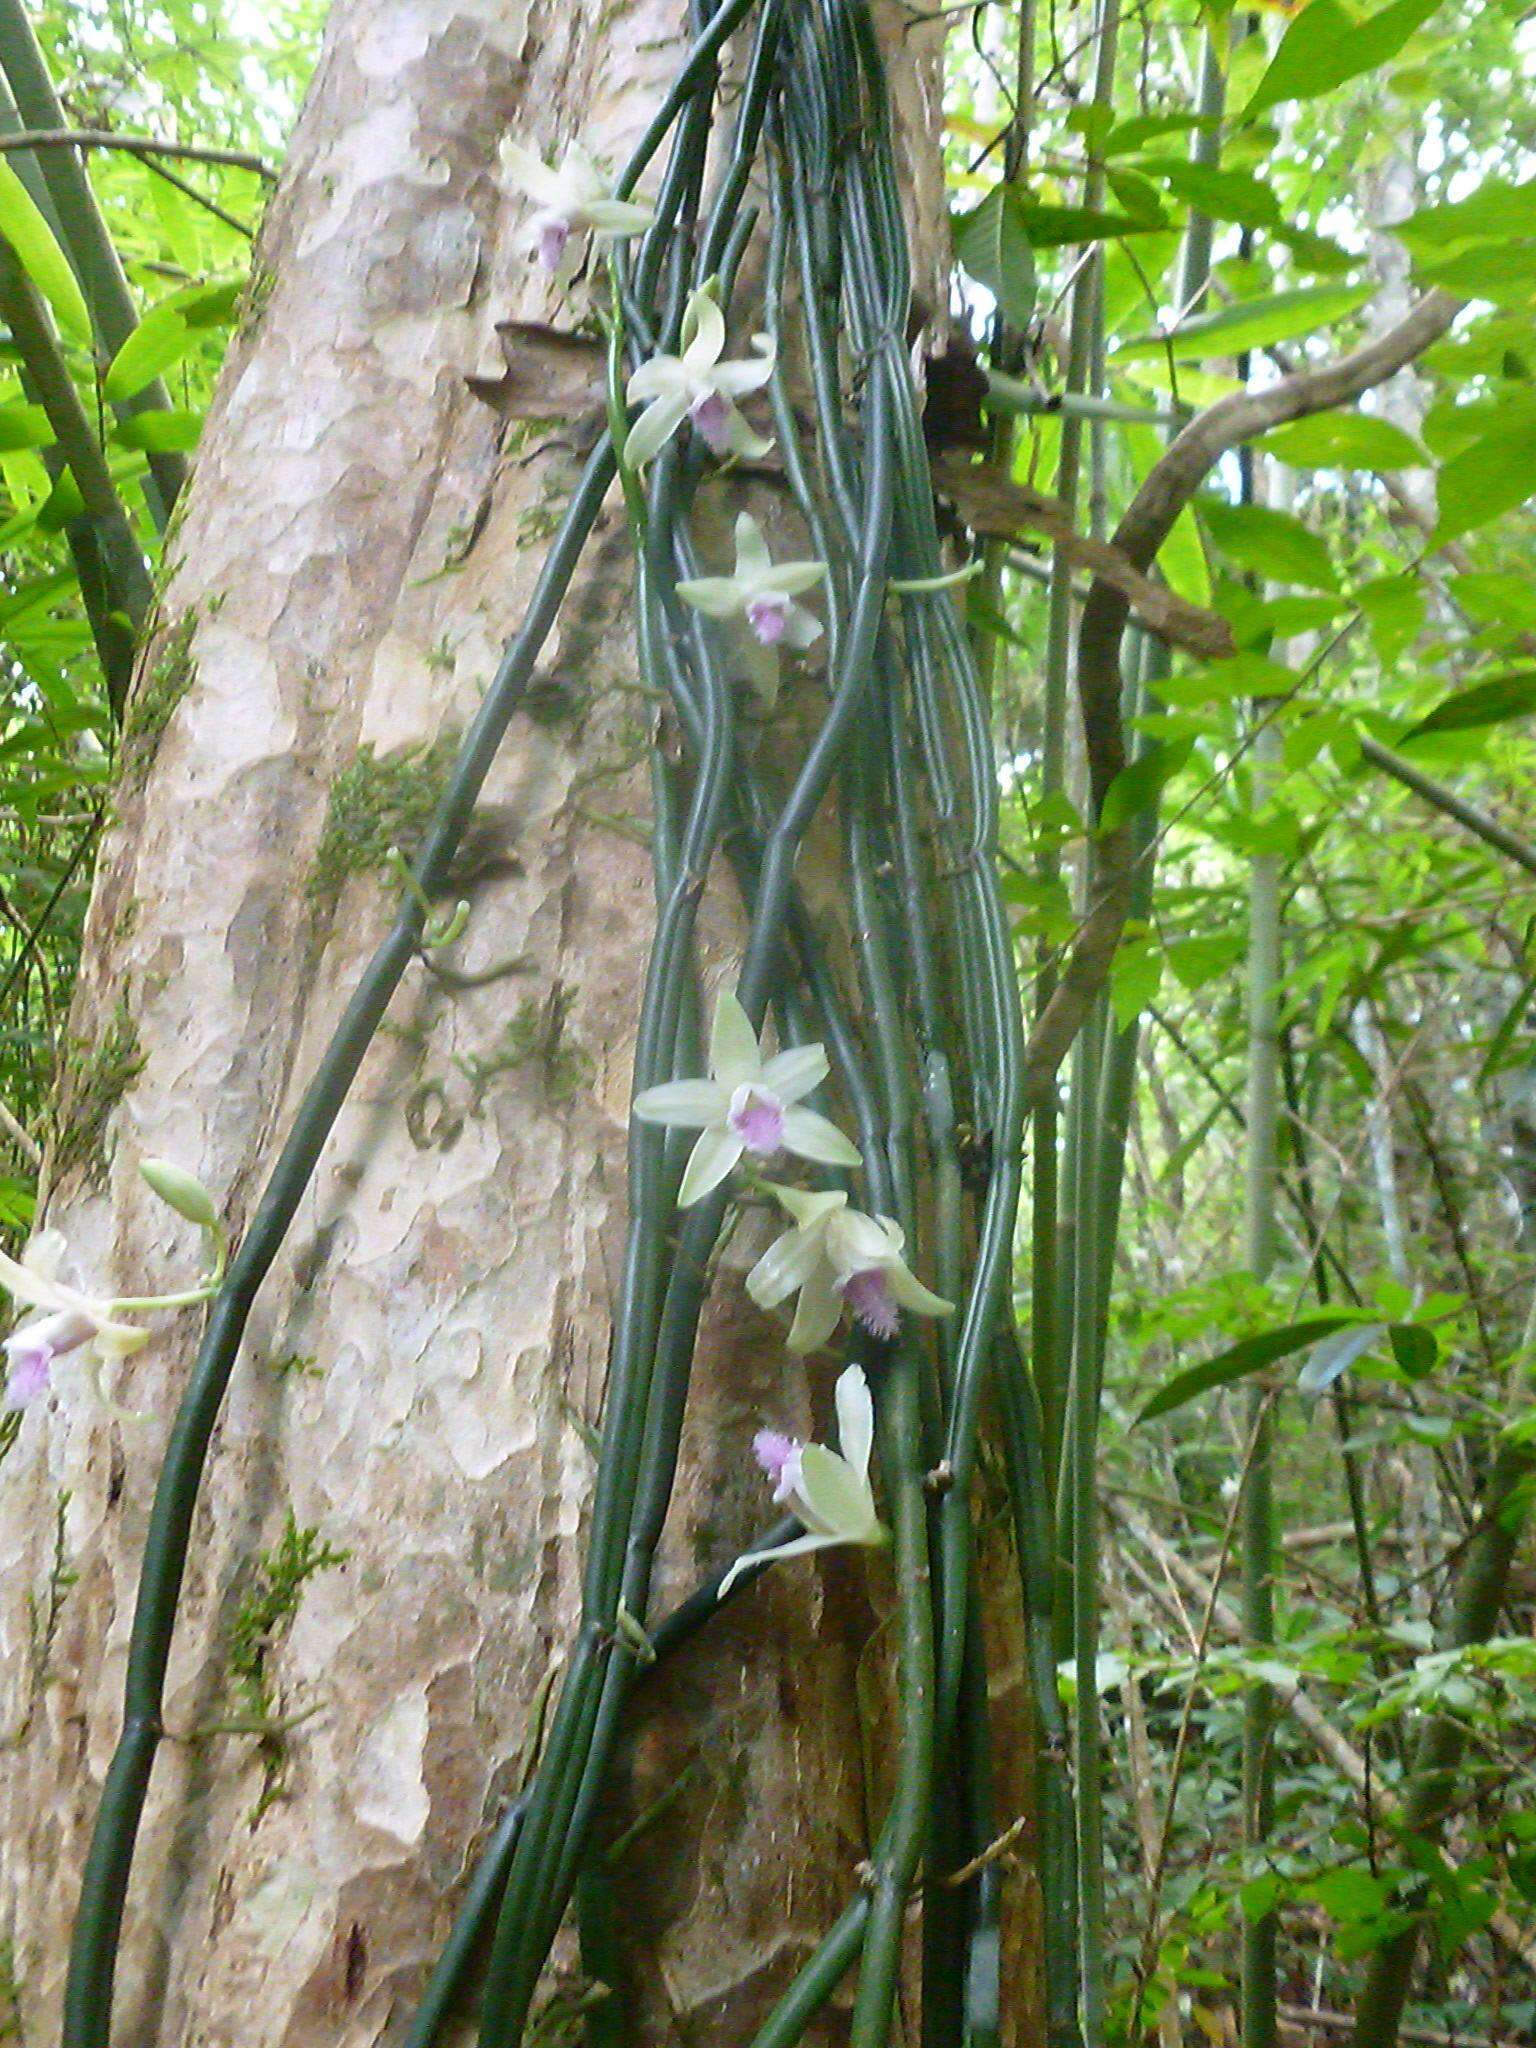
(748,1106)
(72,1320)
(75,1320)
(696,385)
(762,593)
(836,1256)
(828,1491)
(575,199)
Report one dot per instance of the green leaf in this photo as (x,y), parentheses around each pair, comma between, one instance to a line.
(1495,597)
(1138,785)
(1199,960)
(1331,1357)
(1251,323)
(1326,45)
(164,428)
(1394,610)
(1224,195)
(1273,544)
(1343,440)
(1134,979)
(993,245)
(23,426)
(40,256)
(1240,1360)
(1495,212)
(161,338)
(1497,473)
(1485,703)
(1495,1059)
(1509,280)
(1053,227)
(1415,1347)
(1133,135)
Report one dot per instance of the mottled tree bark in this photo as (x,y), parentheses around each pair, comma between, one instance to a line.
(422,1367)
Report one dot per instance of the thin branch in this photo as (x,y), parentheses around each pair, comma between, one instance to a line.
(137,145)
(1145,526)
(1303,1710)
(201,199)
(1318,2021)
(19,1135)
(1476,821)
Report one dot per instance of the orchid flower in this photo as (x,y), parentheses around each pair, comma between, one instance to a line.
(762,593)
(575,199)
(828,1491)
(748,1106)
(73,1319)
(834,1256)
(696,385)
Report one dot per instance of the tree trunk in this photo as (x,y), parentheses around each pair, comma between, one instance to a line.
(420,1371)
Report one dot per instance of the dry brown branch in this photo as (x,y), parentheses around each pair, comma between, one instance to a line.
(1145,526)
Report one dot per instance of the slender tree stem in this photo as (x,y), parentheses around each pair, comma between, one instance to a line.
(1258,1535)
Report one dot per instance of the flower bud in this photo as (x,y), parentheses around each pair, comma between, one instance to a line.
(181,1191)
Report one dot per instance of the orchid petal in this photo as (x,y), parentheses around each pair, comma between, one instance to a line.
(789,579)
(785,1267)
(855,1419)
(703,334)
(688,1105)
(753,561)
(811,1209)
(795,1072)
(740,439)
(735,380)
(659,377)
(810,1136)
(733,1049)
(834,1497)
(817,1313)
(616,217)
(35,1291)
(798,1546)
(711,1159)
(655,427)
(529,174)
(801,628)
(760,667)
(720,597)
(858,1241)
(912,1294)
(119,1340)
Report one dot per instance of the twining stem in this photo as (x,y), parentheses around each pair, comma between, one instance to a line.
(1258,1535)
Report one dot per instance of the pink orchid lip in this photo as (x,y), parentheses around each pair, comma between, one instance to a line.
(553,237)
(711,414)
(757,1118)
(868,1294)
(30,1352)
(29,1374)
(767,616)
(773,1451)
